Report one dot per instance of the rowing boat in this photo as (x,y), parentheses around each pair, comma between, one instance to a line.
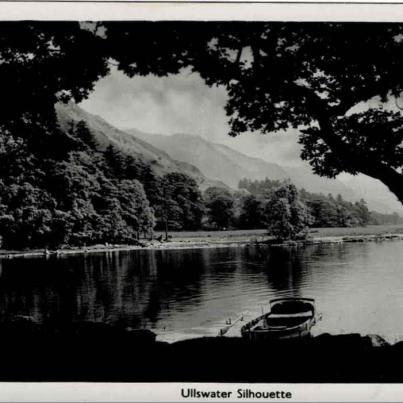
(288,318)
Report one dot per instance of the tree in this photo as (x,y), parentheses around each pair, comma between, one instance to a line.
(135,206)
(82,135)
(323,210)
(26,215)
(181,205)
(287,216)
(219,203)
(39,68)
(308,76)
(252,215)
(73,200)
(261,188)
(362,212)
(115,160)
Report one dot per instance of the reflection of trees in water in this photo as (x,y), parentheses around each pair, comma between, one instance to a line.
(36,287)
(129,288)
(120,288)
(116,287)
(178,281)
(280,266)
(289,269)
(285,271)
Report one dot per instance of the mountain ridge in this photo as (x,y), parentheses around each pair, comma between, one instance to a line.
(211,159)
(105,134)
(215,164)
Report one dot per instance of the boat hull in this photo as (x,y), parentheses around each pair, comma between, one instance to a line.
(304,330)
(289,318)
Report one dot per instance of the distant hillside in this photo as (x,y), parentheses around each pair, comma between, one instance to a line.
(229,166)
(214,160)
(378,195)
(258,169)
(105,134)
(212,164)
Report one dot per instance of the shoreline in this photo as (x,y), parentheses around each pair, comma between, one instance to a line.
(236,238)
(34,353)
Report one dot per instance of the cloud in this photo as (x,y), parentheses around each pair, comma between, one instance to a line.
(166,105)
(181,103)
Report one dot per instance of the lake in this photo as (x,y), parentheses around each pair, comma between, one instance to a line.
(358,287)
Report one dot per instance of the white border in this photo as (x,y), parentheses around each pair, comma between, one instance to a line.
(200,11)
(171,392)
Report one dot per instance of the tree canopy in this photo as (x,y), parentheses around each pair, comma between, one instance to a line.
(287,216)
(313,77)
(308,76)
(280,75)
(219,204)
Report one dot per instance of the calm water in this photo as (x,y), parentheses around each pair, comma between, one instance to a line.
(184,293)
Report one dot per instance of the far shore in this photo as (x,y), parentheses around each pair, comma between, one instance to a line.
(221,239)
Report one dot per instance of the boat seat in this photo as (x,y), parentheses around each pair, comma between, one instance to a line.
(307,314)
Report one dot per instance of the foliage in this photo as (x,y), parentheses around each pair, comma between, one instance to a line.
(277,75)
(386,219)
(57,186)
(260,188)
(252,214)
(307,76)
(219,204)
(77,201)
(287,216)
(181,205)
(326,211)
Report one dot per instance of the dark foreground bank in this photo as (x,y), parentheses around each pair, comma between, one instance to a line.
(98,352)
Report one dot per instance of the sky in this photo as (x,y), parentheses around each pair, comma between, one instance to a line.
(183,104)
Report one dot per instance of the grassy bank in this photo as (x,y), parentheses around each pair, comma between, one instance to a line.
(368,230)
(207,239)
(316,232)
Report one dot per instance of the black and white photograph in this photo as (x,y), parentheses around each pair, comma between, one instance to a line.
(201,201)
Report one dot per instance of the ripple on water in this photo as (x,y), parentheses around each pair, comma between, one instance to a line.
(189,293)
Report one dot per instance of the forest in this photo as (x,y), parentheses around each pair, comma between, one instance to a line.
(82,194)
(58,187)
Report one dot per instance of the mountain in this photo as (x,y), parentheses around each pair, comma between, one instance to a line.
(214,160)
(375,192)
(213,164)
(227,165)
(131,144)
(256,168)
(230,166)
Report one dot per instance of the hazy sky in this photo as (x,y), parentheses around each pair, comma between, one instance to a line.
(182,104)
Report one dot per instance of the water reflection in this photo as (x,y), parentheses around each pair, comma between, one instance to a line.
(191,292)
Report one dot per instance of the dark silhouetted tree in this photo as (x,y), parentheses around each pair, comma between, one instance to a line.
(307,76)
(219,204)
(181,206)
(252,213)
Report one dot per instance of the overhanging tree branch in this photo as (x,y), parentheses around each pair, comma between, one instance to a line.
(368,166)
